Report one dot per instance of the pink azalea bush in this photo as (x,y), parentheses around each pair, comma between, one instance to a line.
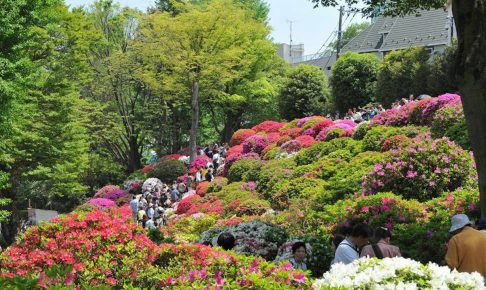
(102,203)
(200,162)
(423,169)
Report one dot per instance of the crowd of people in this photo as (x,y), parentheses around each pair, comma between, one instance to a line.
(149,209)
(466,246)
(367,112)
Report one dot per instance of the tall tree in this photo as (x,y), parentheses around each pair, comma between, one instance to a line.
(305,93)
(353,80)
(469,17)
(201,49)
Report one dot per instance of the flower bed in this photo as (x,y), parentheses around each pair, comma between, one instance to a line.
(396,273)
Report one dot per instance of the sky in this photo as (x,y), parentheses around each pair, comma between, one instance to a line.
(309,26)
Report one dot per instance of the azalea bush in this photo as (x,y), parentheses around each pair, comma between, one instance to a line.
(202,267)
(377,135)
(255,144)
(101,247)
(240,135)
(244,169)
(252,238)
(102,203)
(450,122)
(105,190)
(268,127)
(422,170)
(396,273)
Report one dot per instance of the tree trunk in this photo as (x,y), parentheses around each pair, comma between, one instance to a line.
(232,122)
(134,159)
(194,119)
(470,19)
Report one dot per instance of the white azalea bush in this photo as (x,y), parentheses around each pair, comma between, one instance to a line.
(396,273)
(252,238)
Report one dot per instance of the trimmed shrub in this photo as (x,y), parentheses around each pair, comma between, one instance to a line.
(450,122)
(240,135)
(245,169)
(167,170)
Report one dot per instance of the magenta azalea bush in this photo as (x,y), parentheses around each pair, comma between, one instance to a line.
(255,144)
(417,113)
(423,169)
(105,190)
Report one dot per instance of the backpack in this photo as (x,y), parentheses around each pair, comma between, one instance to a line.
(377,251)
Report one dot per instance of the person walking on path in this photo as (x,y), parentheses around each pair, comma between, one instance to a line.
(381,248)
(134,208)
(466,251)
(349,249)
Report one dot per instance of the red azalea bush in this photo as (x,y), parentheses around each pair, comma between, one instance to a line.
(423,169)
(202,188)
(293,132)
(173,156)
(396,142)
(147,168)
(317,127)
(102,203)
(268,127)
(240,135)
(186,204)
(255,144)
(105,190)
(102,247)
(306,141)
(234,150)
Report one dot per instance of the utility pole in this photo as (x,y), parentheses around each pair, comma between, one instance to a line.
(290,22)
(340,31)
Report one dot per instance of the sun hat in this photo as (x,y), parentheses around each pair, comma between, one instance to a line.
(459,221)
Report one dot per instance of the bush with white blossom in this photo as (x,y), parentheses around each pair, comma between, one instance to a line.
(396,273)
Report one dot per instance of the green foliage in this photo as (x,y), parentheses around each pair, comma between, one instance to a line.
(303,187)
(353,80)
(305,93)
(348,176)
(442,72)
(217,184)
(271,175)
(188,229)
(377,135)
(156,236)
(402,73)
(450,122)
(321,149)
(167,169)
(244,170)
(361,130)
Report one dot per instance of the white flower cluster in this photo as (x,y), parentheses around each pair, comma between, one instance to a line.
(184,159)
(396,273)
(252,238)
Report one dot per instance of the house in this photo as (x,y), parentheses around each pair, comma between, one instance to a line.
(433,29)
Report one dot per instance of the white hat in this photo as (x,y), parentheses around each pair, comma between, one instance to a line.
(459,221)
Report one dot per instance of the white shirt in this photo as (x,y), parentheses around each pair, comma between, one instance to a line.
(216,157)
(346,252)
(149,225)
